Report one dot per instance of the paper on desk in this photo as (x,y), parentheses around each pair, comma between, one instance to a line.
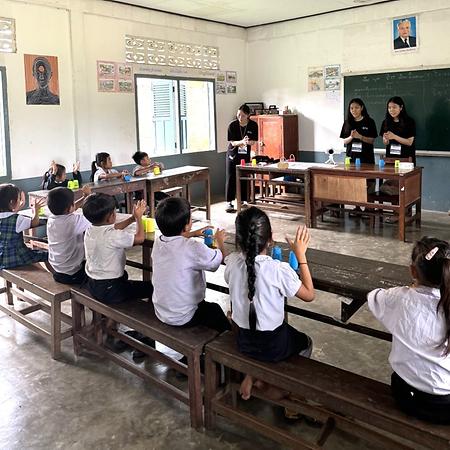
(304,165)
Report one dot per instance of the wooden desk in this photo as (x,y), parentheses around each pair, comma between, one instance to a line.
(348,185)
(179,176)
(267,176)
(111,187)
(347,276)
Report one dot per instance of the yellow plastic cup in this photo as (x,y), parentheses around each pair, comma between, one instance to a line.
(156,170)
(76,185)
(41,211)
(348,160)
(253,162)
(397,164)
(71,185)
(149,224)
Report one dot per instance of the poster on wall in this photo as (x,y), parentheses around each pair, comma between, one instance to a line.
(231,77)
(41,80)
(114,77)
(404,34)
(220,77)
(332,79)
(231,89)
(221,88)
(315,79)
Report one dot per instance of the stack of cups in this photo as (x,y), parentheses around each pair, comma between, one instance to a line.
(149,224)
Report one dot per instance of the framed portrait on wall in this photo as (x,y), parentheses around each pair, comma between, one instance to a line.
(405,34)
(41,80)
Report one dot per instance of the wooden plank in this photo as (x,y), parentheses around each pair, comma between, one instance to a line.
(30,324)
(341,189)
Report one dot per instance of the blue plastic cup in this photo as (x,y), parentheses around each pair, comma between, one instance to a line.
(277,253)
(357,162)
(293,261)
(127,177)
(208,237)
(381,163)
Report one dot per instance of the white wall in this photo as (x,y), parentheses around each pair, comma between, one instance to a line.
(80,32)
(359,40)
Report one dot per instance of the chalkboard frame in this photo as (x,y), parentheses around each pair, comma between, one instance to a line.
(418,106)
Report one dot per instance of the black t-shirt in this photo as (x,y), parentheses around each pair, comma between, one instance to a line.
(404,128)
(357,149)
(237,133)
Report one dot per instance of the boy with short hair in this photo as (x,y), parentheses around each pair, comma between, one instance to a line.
(105,244)
(144,164)
(65,232)
(178,269)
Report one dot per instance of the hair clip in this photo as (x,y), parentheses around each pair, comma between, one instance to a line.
(431,253)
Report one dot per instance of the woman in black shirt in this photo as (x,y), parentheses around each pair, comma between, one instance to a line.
(398,131)
(242,133)
(359,131)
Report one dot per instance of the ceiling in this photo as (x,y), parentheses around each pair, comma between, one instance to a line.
(248,13)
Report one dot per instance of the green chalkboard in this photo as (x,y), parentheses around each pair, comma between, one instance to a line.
(426,94)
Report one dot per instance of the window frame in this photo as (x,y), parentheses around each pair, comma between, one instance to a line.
(178,106)
(4,94)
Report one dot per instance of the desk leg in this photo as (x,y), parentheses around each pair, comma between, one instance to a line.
(238,189)
(418,213)
(307,201)
(208,198)
(151,201)
(402,211)
(129,202)
(147,262)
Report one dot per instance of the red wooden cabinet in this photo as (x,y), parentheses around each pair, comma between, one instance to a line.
(278,135)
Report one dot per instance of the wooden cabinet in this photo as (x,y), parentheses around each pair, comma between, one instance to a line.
(278,135)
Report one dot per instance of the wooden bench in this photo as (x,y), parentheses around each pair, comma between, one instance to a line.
(140,316)
(334,397)
(36,286)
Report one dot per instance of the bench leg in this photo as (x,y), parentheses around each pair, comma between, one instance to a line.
(9,296)
(210,390)
(77,312)
(195,390)
(55,334)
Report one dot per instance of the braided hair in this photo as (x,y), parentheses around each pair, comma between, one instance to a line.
(253,233)
(431,259)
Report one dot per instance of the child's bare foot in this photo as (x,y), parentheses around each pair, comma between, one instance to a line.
(270,391)
(246,387)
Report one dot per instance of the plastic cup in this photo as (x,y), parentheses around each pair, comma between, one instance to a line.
(348,160)
(277,253)
(357,162)
(41,211)
(70,185)
(254,162)
(293,262)
(156,170)
(127,178)
(381,163)
(148,224)
(208,236)
(242,162)
(397,163)
(76,185)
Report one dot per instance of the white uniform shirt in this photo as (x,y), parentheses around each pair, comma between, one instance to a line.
(23,222)
(66,242)
(105,251)
(178,276)
(101,171)
(417,333)
(275,280)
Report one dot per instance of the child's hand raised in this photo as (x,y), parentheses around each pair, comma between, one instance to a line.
(139,209)
(38,204)
(300,244)
(220,236)
(76,167)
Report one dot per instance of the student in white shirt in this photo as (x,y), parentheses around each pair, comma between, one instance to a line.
(105,244)
(101,168)
(179,263)
(418,317)
(65,233)
(258,285)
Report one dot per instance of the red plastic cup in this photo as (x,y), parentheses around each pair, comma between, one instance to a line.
(242,162)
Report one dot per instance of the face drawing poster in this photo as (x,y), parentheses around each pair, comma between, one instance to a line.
(41,80)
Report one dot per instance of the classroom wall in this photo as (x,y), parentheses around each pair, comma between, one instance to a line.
(360,41)
(80,32)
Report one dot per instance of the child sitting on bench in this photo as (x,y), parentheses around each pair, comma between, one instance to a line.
(418,316)
(105,244)
(258,285)
(56,176)
(13,251)
(178,265)
(65,233)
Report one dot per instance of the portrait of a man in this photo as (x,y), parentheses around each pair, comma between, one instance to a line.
(404,32)
(41,80)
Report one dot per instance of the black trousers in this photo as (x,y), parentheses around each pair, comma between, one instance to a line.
(209,315)
(77,278)
(230,173)
(429,407)
(118,290)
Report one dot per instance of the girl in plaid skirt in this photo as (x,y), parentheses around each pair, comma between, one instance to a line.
(13,251)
